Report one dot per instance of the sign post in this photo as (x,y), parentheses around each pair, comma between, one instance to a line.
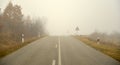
(77,29)
(98,40)
(23,38)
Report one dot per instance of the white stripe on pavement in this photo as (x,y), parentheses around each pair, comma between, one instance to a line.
(56,46)
(59,52)
(53,62)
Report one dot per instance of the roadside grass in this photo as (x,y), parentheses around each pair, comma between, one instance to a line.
(7,49)
(111,50)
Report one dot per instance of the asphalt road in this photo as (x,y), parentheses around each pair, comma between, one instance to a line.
(57,51)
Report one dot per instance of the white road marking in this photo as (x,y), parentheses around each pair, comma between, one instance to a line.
(53,62)
(56,46)
(59,52)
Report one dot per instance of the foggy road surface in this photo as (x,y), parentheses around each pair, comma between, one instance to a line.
(57,51)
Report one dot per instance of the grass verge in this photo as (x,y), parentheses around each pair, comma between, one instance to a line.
(11,48)
(111,50)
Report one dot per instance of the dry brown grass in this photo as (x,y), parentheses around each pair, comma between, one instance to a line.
(9,48)
(111,50)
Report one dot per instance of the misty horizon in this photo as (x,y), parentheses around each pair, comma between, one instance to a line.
(63,16)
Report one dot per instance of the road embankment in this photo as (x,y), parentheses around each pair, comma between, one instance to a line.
(7,49)
(111,50)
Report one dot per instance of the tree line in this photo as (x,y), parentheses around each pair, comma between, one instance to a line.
(13,24)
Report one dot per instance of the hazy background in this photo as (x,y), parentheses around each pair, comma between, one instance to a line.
(63,16)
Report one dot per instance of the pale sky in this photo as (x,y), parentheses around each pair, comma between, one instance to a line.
(64,15)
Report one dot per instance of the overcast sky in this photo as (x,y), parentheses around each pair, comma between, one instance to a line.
(64,15)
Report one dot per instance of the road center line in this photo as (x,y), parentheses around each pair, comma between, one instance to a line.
(53,62)
(56,46)
(59,52)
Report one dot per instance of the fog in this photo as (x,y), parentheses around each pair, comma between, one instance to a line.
(63,16)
